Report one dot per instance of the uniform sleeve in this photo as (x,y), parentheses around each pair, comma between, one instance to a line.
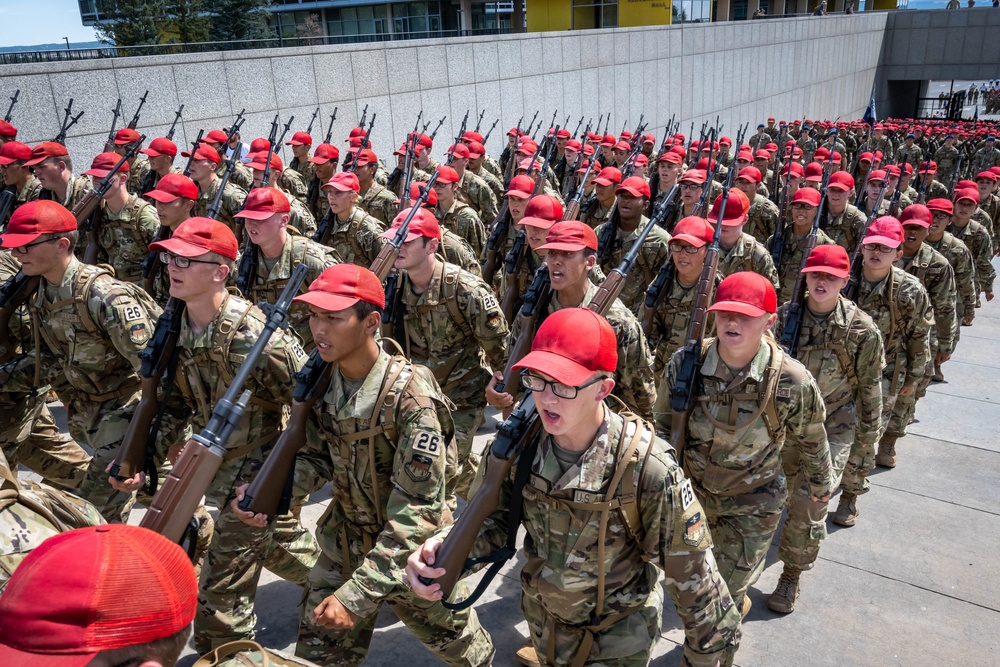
(476,232)
(635,369)
(149,223)
(918,318)
(869,362)
(804,428)
(661,410)
(489,327)
(128,323)
(370,239)
(677,539)
(313,467)
(943,299)
(415,511)
(965,279)
(765,267)
(275,373)
(985,273)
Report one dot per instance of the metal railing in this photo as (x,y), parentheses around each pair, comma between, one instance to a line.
(59,55)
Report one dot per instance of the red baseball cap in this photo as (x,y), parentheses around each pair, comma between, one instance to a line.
(6,129)
(300,139)
(763,154)
(95,589)
(324,153)
(892,171)
(671,157)
(987,175)
(571,345)
(358,133)
(218,137)
(841,180)
(814,172)
(14,151)
(31,220)
(967,185)
(877,175)
(928,167)
(635,186)
(916,214)
(737,208)
(423,224)
(794,169)
(609,176)
(343,285)
(542,211)
(807,196)
(172,186)
(570,236)
(608,140)
(472,135)
(204,152)
(967,193)
(476,149)
(160,146)
(585,164)
(262,203)
(126,136)
(447,174)
(747,293)
(365,157)
(257,161)
(44,150)
(458,150)
(697,176)
(623,146)
(941,205)
(104,163)
(417,188)
(746,156)
(196,236)
(259,145)
(344,181)
(885,230)
(696,231)
(751,174)
(830,258)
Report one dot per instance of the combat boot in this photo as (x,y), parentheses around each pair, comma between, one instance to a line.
(938,375)
(783,598)
(745,609)
(847,510)
(886,457)
(526,656)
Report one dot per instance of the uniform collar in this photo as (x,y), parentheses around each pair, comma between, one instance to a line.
(713,366)
(595,464)
(362,404)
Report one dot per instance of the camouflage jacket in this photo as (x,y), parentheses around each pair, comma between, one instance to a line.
(960,258)
(492,166)
(269,284)
(462,220)
(724,459)
(462,342)
(792,259)
(561,573)
(233,199)
(493,181)
(847,228)
(946,159)
(136,175)
(913,155)
(592,213)
(30,192)
(843,352)
(762,218)
(900,307)
(306,169)
(474,191)
(935,190)
(456,250)
(292,184)
(389,490)
(977,239)
(635,383)
(380,203)
(670,322)
(209,361)
(77,189)
(654,253)
(747,254)
(356,240)
(934,272)
(125,236)
(984,159)
(301,218)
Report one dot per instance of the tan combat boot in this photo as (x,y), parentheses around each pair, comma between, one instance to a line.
(745,609)
(526,656)
(847,510)
(886,457)
(938,375)
(783,598)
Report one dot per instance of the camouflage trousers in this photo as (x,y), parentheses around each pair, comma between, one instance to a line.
(29,436)
(906,406)
(236,557)
(626,643)
(467,422)
(891,384)
(456,638)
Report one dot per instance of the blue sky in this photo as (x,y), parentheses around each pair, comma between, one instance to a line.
(27,22)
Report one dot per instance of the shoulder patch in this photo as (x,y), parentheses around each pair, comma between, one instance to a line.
(428,443)
(490,302)
(132,313)
(138,333)
(694,529)
(784,392)
(418,468)
(687,495)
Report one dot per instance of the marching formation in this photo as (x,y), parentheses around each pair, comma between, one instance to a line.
(686,337)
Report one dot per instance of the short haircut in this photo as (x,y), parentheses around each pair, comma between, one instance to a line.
(73,237)
(166,650)
(65,159)
(363,309)
(221,259)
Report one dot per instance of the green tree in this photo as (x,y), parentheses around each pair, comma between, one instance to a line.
(187,21)
(234,20)
(129,22)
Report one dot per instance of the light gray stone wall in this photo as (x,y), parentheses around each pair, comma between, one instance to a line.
(740,72)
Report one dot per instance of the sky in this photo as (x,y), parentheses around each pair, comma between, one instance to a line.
(28,22)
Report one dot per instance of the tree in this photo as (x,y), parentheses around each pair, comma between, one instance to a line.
(129,22)
(188,21)
(236,20)
(311,27)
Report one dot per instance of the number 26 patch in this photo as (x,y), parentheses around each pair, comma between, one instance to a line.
(428,443)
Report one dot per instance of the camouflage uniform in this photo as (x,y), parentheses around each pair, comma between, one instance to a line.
(762,218)
(125,236)
(934,272)
(91,329)
(456,250)
(136,175)
(273,275)
(843,352)
(492,166)
(380,203)
(208,362)
(152,179)
(356,240)
(960,258)
(984,159)
(901,309)
(301,219)
(474,191)
(635,383)
(654,253)
(913,155)
(494,182)
(559,581)
(242,176)
(592,213)
(390,495)
(977,239)
(76,190)
(670,323)
(747,254)
(30,192)
(456,329)
(233,199)
(305,169)
(847,228)
(792,259)
(946,159)
(462,220)
(292,184)
(808,146)
(736,468)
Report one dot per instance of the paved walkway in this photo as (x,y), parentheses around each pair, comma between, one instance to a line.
(915,583)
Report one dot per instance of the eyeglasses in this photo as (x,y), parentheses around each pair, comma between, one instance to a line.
(878,247)
(801,206)
(22,250)
(690,186)
(182,262)
(534,383)
(686,249)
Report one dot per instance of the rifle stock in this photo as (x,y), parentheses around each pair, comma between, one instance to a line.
(512,266)
(498,233)
(13,294)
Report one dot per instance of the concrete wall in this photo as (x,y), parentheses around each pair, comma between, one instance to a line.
(789,68)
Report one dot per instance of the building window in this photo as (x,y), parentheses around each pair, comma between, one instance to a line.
(417,19)
(595,14)
(692,11)
(491,16)
(362,20)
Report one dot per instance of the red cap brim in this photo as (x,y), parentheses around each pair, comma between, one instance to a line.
(838,186)
(255,215)
(327,301)
(537,222)
(161,196)
(519,194)
(391,234)
(37,160)
(604,181)
(839,273)
(98,173)
(178,247)
(738,307)
(320,160)
(7,160)
(555,366)
(150,152)
(17,240)
(693,240)
(339,186)
(883,240)
(12,656)
(565,247)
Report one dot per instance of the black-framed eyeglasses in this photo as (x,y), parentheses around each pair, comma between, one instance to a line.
(182,262)
(801,206)
(24,249)
(686,249)
(691,186)
(534,383)
(878,247)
